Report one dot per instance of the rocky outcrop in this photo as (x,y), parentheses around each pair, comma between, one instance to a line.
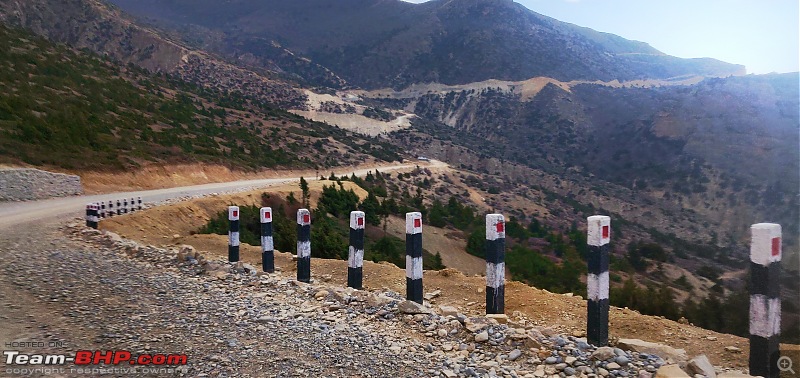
(23,184)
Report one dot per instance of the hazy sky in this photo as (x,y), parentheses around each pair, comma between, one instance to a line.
(764,35)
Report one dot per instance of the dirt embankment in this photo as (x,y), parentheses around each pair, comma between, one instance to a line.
(172,225)
(159,177)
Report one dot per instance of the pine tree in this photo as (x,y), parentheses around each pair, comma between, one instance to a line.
(306,192)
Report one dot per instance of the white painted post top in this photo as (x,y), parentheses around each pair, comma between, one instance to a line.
(599,230)
(357,220)
(495,226)
(414,223)
(233,212)
(765,245)
(266,215)
(303,217)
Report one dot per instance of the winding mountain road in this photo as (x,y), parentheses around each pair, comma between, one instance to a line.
(66,289)
(19,212)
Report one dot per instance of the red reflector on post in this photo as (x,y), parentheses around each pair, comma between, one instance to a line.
(776,246)
(417,222)
(501,227)
(306,218)
(360,221)
(605,231)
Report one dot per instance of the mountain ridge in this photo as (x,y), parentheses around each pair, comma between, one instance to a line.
(387,43)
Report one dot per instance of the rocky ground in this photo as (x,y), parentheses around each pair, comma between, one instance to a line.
(76,288)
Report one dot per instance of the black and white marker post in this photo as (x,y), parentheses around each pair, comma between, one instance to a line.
(495,263)
(598,237)
(267,243)
(125,206)
(139,202)
(92,218)
(119,207)
(102,209)
(110,212)
(303,245)
(233,234)
(355,255)
(414,257)
(765,302)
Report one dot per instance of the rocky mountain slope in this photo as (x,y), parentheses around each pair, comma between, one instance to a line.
(380,43)
(722,151)
(97,27)
(77,111)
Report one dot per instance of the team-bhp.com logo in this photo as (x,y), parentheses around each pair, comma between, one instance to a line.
(88,357)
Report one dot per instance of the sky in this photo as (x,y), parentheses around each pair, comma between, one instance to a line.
(763,35)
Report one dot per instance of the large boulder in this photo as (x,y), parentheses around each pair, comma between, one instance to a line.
(668,353)
(671,371)
(411,307)
(701,365)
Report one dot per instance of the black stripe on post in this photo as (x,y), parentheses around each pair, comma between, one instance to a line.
(765,302)
(92,217)
(233,234)
(102,209)
(355,253)
(414,257)
(598,237)
(304,245)
(495,263)
(140,203)
(267,244)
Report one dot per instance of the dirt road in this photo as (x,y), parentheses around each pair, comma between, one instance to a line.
(17,212)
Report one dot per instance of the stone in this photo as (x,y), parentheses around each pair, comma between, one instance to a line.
(448,310)
(265,319)
(321,295)
(734,374)
(701,365)
(448,373)
(530,342)
(476,324)
(187,250)
(668,353)
(569,371)
(441,332)
(622,360)
(500,318)
(733,349)
(613,366)
(411,307)
(602,372)
(481,337)
(516,353)
(570,360)
(603,353)
(379,300)
(551,360)
(671,371)
(433,294)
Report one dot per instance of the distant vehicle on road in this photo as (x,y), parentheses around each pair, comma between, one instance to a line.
(423,158)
